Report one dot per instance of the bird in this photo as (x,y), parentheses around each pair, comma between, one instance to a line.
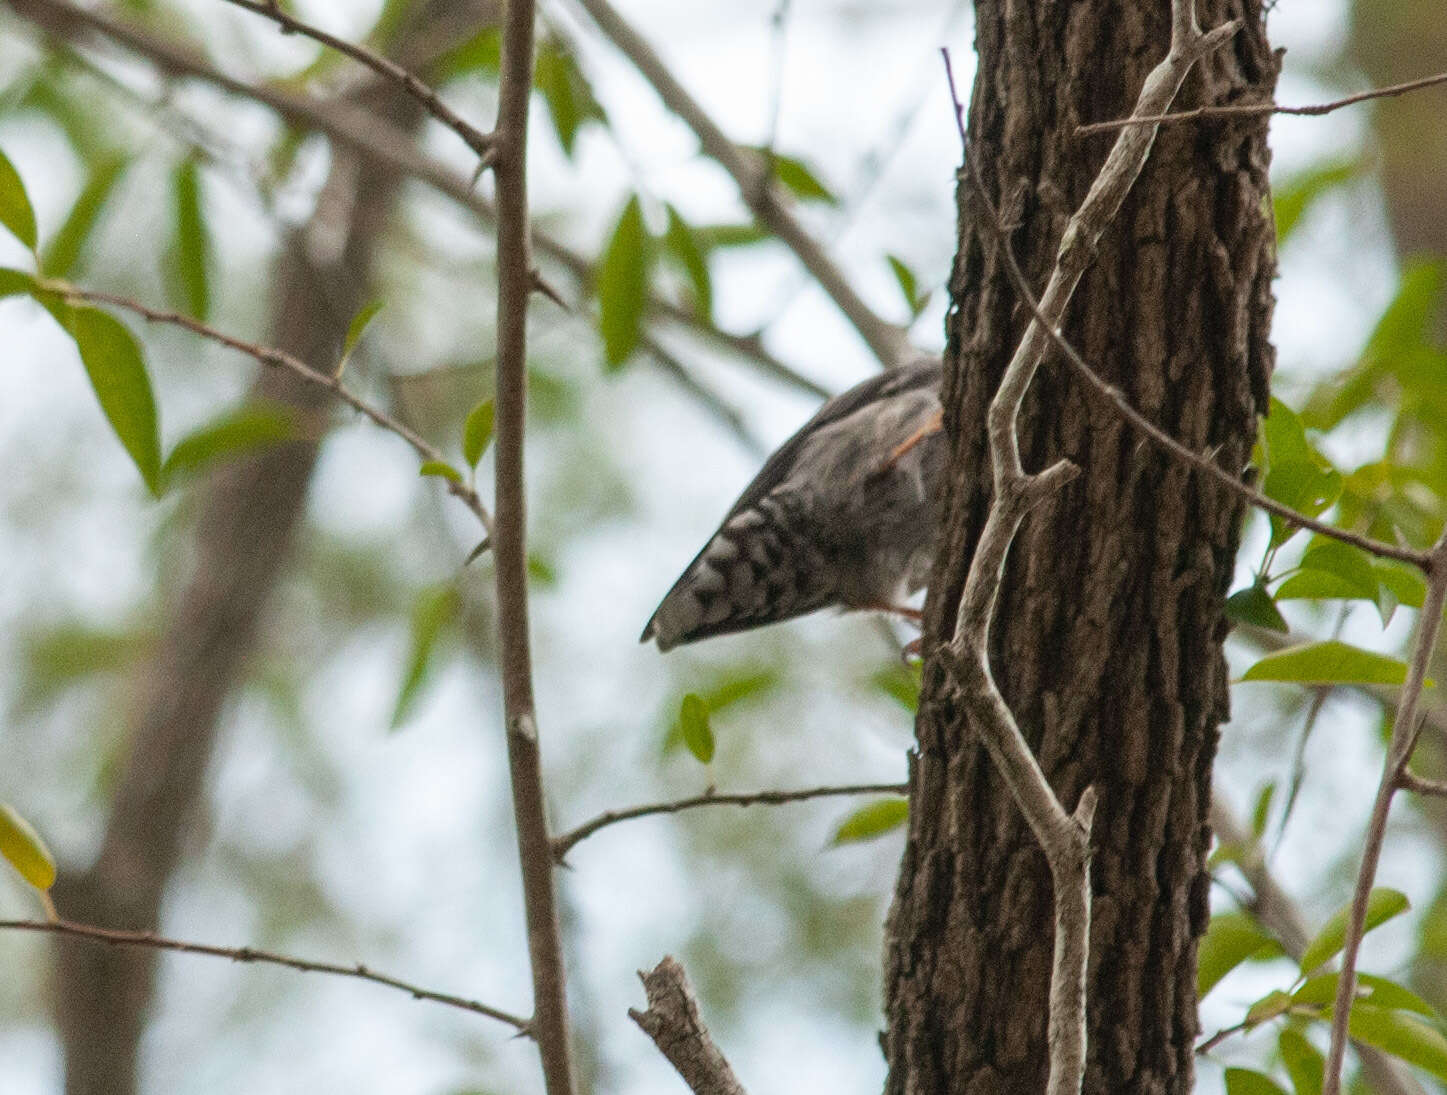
(842,514)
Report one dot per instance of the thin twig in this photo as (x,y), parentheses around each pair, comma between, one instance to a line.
(565,842)
(524,755)
(280,359)
(888,342)
(1410,781)
(121,938)
(1405,729)
(1256,110)
(474,138)
(382,145)
(1064,837)
(673,1022)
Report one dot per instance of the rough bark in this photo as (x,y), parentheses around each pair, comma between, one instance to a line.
(1107,641)
(249,514)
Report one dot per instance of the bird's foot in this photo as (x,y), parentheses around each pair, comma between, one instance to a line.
(933,426)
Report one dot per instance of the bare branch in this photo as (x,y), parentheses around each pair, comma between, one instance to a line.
(564,843)
(673,1022)
(120,938)
(474,138)
(514,290)
(280,359)
(1410,781)
(1064,838)
(1256,110)
(382,145)
(757,187)
(1405,729)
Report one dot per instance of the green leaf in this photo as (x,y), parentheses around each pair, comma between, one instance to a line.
(1297,194)
(873,820)
(440,468)
(22,847)
(356,329)
(736,687)
(1382,905)
(15,283)
(1405,582)
(1331,562)
(908,285)
(477,431)
(117,372)
(623,285)
(1253,605)
(541,571)
(683,247)
(794,176)
(1329,662)
(1284,435)
(433,613)
(693,721)
(66,245)
(1305,486)
(566,92)
(1245,1081)
(246,430)
(1402,1035)
(16,213)
(1379,992)
(193,243)
(1231,938)
(1304,1062)
(711,236)
(901,683)
(1262,813)
(1275,1003)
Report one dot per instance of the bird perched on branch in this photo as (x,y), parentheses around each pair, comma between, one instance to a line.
(843,513)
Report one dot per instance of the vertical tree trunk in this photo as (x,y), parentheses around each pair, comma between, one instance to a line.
(1107,637)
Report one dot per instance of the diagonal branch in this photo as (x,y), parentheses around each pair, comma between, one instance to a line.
(565,842)
(1064,838)
(753,177)
(280,359)
(673,1022)
(1256,110)
(120,938)
(514,289)
(474,138)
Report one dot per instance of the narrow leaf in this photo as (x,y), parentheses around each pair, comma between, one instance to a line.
(1329,662)
(1299,193)
(873,820)
(901,683)
(477,431)
(22,847)
(193,244)
(685,250)
(693,722)
(1273,1004)
(247,430)
(1382,905)
(66,245)
(433,612)
(908,284)
(1253,605)
(358,327)
(118,374)
(1304,1062)
(1402,1035)
(794,176)
(1245,1081)
(1231,938)
(623,285)
(440,468)
(16,213)
(1379,992)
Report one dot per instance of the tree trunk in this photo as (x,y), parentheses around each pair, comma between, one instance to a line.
(1107,636)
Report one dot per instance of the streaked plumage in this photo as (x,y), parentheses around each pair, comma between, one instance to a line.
(838,515)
